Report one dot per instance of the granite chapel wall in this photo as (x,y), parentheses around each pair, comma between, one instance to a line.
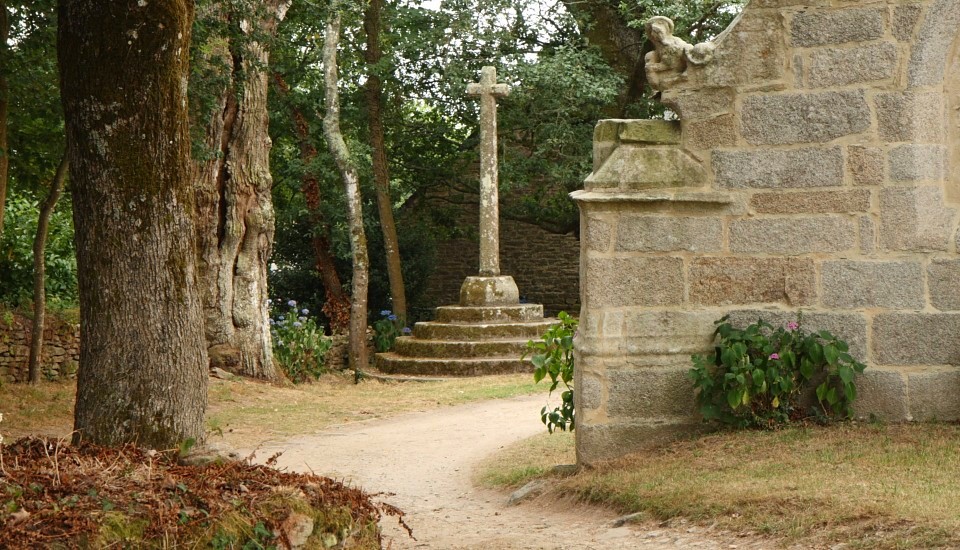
(815,166)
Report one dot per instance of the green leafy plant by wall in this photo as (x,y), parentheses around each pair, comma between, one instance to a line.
(552,357)
(299,344)
(763,377)
(387,329)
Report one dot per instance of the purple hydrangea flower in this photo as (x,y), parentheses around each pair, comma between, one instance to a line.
(304,311)
(392,317)
(292,303)
(774,356)
(384,312)
(793,325)
(406,330)
(272,322)
(297,324)
(301,319)
(280,317)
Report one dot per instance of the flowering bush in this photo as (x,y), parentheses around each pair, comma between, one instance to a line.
(299,344)
(552,356)
(760,375)
(387,329)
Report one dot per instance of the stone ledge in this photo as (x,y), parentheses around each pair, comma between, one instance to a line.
(701,197)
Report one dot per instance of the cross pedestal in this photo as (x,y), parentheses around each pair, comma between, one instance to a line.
(490,288)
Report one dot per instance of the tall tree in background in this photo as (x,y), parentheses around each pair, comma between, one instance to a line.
(4,107)
(143,362)
(351,182)
(373,88)
(39,270)
(235,203)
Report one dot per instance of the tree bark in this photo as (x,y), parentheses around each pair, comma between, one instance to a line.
(236,207)
(4,108)
(351,181)
(337,306)
(372,22)
(143,362)
(39,270)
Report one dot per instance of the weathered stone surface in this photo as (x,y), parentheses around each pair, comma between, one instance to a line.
(868,235)
(793,236)
(783,119)
(866,164)
(881,394)
(589,391)
(934,39)
(489,291)
(843,66)
(597,234)
(722,281)
(886,284)
(599,442)
(666,332)
(649,392)
(848,326)
(905,19)
(656,132)
(709,133)
(914,218)
(933,394)
(605,141)
(668,233)
(616,282)
(756,50)
(836,27)
(644,167)
(813,202)
(910,116)
(916,339)
(811,167)
(943,278)
(706,103)
(911,162)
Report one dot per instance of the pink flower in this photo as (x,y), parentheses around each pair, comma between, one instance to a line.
(774,356)
(793,325)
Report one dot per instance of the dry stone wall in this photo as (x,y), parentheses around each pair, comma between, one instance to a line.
(61,349)
(815,166)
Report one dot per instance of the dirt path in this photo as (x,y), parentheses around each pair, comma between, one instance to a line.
(426,459)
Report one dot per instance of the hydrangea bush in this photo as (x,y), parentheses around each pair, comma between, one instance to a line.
(299,344)
(761,376)
(387,329)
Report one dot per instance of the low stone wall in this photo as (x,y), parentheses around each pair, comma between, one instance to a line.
(61,349)
(544,265)
(815,167)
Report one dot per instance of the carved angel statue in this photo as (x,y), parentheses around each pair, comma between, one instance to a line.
(671,55)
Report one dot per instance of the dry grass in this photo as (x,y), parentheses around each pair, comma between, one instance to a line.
(248,413)
(870,486)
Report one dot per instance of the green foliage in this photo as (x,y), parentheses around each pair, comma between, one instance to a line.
(552,356)
(387,329)
(299,345)
(16,254)
(761,376)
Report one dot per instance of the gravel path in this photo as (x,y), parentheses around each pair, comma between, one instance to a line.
(425,459)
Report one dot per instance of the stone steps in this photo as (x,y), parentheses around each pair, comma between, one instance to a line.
(454,349)
(392,363)
(490,314)
(433,330)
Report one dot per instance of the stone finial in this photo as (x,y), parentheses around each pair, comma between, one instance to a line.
(671,55)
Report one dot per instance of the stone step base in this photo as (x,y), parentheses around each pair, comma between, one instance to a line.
(392,363)
(490,314)
(531,330)
(442,349)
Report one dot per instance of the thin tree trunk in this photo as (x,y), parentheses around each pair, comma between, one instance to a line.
(4,107)
(39,270)
(143,361)
(372,22)
(351,181)
(236,207)
(337,307)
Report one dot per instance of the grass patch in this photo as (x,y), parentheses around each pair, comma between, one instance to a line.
(871,486)
(247,413)
(526,460)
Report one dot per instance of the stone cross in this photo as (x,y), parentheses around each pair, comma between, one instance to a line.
(488,90)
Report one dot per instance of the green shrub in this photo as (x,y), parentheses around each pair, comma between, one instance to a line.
(387,329)
(299,345)
(552,356)
(760,376)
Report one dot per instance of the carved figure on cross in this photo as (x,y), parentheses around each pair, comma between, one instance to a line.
(488,90)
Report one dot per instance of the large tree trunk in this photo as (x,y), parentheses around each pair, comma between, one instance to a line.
(143,361)
(337,306)
(4,107)
(39,270)
(372,22)
(351,181)
(236,207)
